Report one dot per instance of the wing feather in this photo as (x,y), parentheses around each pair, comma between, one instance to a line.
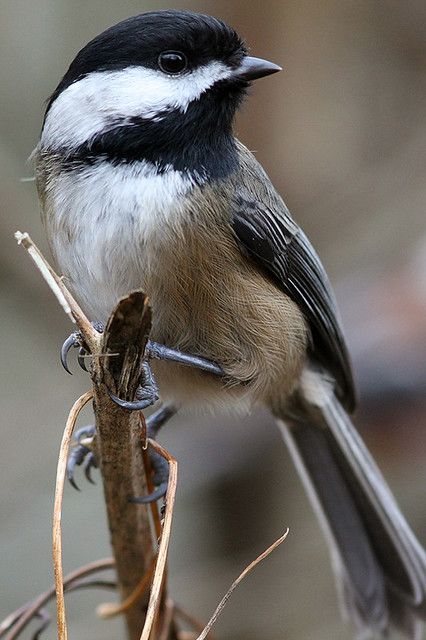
(265,231)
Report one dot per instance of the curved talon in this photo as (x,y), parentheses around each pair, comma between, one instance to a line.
(90,463)
(70,477)
(81,361)
(82,454)
(71,341)
(158,493)
(76,340)
(75,459)
(73,483)
(79,455)
(136,405)
(155,421)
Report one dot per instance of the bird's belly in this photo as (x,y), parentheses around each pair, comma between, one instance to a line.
(207,298)
(99,274)
(218,306)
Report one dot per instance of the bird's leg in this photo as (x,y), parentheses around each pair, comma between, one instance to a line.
(157,351)
(75,339)
(147,394)
(84,453)
(160,478)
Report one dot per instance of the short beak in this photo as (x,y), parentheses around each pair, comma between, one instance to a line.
(254,68)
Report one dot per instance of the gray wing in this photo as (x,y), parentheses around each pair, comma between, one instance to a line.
(267,234)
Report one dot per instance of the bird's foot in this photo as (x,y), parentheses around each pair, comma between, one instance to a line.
(76,340)
(82,454)
(147,394)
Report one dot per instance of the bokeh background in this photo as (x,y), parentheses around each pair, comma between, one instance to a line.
(342,132)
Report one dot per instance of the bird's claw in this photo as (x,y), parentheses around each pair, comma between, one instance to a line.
(76,340)
(158,493)
(159,465)
(146,395)
(134,405)
(82,353)
(82,455)
(71,341)
(89,464)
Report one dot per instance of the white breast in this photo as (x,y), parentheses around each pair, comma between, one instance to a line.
(104,223)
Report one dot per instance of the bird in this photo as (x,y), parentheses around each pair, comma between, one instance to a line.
(143,185)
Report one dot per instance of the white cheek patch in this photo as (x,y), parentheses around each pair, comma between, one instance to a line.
(104,98)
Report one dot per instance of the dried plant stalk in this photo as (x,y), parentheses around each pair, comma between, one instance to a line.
(120,450)
(235,584)
(57,512)
(154,600)
(112,609)
(20,618)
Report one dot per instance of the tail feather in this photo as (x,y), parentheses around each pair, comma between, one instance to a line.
(379,564)
(360,579)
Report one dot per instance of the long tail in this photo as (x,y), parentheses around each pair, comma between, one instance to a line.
(379,565)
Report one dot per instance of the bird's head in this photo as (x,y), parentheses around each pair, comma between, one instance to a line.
(162,87)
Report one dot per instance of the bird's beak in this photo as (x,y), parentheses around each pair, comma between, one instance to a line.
(254,68)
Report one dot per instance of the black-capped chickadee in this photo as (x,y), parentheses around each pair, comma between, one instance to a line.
(143,185)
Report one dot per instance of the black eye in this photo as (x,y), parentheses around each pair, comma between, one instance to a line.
(172,62)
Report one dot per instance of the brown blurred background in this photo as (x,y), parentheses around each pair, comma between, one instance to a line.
(342,132)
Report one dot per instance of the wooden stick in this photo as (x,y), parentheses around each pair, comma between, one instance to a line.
(120,452)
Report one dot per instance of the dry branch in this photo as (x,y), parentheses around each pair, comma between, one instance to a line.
(65,299)
(119,449)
